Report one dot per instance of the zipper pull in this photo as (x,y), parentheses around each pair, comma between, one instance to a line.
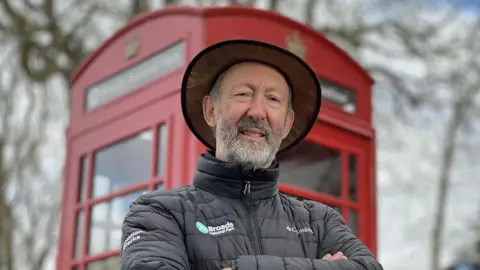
(246,190)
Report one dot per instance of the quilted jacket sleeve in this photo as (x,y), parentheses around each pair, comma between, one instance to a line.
(152,239)
(336,237)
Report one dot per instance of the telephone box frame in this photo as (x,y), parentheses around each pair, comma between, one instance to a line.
(157,101)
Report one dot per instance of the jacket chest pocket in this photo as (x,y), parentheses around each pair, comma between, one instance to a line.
(287,238)
(214,241)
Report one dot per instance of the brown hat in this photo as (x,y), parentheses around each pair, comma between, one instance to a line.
(205,68)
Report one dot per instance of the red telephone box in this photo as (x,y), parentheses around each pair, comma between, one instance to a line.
(127,134)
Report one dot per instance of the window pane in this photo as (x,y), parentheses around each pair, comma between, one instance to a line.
(82,192)
(312,167)
(79,236)
(130,79)
(336,208)
(112,263)
(106,223)
(162,149)
(353,221)
(123,164)
(340,96)
(294,197)
(302,199)
(159,187)
(352,168)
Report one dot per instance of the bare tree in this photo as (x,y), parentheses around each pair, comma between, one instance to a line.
(6,216)
(467,82)
(28,217)
(470,252)
(45,43)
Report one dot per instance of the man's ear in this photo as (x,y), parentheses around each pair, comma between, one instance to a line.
(209,111)
(288,123)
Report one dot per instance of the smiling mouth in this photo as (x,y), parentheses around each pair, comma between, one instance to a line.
(252,133)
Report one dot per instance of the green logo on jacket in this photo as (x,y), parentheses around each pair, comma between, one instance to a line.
(202,228)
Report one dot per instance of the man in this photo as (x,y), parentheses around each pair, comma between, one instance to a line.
(246,101)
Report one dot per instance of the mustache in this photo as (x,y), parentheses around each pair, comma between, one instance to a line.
(248,122)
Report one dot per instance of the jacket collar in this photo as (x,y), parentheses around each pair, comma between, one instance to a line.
(235,180)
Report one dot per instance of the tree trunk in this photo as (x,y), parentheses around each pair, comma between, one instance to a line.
(310,12)
(447,160)
(274,5)
(6,220)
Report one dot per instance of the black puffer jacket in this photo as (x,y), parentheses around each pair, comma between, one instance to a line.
(234,217)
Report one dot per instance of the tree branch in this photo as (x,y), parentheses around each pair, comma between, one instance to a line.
(467,90)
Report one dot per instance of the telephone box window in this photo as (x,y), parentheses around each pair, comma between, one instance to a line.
(111,263)
(79,236)
(353,221)
(162,149)
(340,96)
(312,167)
(122,164)
(336,209)
(293,197)
(106,223)
(352,168)
(139,74)
(82,195)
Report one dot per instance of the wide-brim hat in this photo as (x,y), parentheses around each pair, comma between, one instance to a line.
(207,65)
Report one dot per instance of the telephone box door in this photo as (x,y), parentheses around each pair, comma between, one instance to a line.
(115,164)
(330,166)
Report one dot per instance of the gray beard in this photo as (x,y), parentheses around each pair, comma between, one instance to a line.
(236,150)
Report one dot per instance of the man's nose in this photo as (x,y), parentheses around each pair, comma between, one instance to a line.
(257,109)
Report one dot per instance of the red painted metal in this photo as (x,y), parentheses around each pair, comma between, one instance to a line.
(170,134)
(372,196)
(154,155)
(87,210)
(158,102)
(315,196)
(100,256)
(344,177)
(144,185)
(330,62)
(65,212)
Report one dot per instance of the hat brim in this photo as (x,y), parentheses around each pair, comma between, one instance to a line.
(206,66)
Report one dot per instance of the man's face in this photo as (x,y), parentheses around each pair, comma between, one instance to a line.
(251,115)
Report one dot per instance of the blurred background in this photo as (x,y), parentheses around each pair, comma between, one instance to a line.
(424,56)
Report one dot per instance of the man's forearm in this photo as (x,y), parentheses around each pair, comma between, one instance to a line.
(265,262)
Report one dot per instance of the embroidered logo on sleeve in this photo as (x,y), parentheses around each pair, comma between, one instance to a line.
(132,238)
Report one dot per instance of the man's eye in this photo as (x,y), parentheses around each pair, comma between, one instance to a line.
(275,99)
(243,94)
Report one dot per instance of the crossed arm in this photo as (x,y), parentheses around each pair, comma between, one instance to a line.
(337,256)
(339,249)
(157,243)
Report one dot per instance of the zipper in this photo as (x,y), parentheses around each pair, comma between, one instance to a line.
(246,189)
(253,232)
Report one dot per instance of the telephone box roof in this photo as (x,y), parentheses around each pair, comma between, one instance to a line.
(208,12)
